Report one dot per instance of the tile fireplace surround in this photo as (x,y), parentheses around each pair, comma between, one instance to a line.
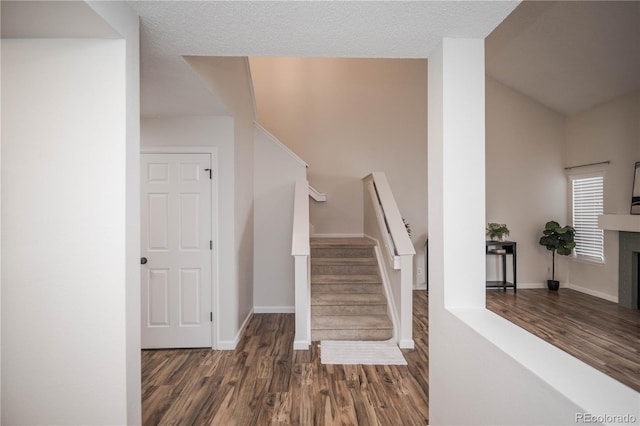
(628,227)
(628,272)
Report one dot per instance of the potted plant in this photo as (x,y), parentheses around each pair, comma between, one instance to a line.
(559,240)
(497,231)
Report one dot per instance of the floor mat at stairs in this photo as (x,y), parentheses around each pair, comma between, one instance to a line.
(349,352)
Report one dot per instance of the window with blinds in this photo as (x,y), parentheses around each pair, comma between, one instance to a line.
(588,203)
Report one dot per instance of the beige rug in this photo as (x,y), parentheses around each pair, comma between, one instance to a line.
(364,353)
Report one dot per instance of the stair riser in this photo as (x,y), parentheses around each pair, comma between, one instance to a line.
(349,310)
(342,252)
(344,269)
(347,288)
(378,334)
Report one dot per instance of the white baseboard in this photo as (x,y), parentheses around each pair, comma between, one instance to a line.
(347,235)
(594,293)
(406,344)
(274,310)
(301,345)
(230,345)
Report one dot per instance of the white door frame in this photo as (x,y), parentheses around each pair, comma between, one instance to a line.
(213,152)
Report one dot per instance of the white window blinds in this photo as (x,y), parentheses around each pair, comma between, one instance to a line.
(587,205)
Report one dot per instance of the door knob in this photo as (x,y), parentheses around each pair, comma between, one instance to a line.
(143,260)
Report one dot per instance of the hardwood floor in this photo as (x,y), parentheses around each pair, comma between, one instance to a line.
(600,333)
(265,382)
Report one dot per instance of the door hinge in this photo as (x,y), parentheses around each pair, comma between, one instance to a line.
(208,170)
(211,316)
(210,244)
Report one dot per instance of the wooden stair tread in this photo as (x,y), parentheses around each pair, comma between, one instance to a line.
(348,279)
(351,322)
(345,288)
(341,242)
(366,261)
(347,296)
(323,299)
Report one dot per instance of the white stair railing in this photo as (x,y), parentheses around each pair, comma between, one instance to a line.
(317,195)
(301,251)
(383,222)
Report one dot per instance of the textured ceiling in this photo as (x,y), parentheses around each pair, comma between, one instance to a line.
(569,56)
(380,29)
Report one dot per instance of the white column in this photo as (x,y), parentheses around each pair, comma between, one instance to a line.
(457,174)
(456,183)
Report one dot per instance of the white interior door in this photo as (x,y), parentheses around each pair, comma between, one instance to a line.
(176,243)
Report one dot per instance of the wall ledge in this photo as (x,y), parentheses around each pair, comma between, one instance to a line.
(619,222)
(588,388)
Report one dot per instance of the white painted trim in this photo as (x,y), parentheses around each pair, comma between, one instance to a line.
(338,235)
(300,234)
(230,345)
(380,220)
(406,344)
(406,301)
(302,345)
(317,195)
(302,271)
(279,144)
(274,309)
(397,228)
(594,293)
(247,66)
(215,270)
(386,285)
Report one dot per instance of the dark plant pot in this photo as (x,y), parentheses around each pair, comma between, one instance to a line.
(553,285)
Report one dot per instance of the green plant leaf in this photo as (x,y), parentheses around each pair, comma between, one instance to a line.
(552,225)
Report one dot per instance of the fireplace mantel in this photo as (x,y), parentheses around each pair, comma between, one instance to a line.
(619,222)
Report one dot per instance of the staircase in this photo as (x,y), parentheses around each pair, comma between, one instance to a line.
(347,298)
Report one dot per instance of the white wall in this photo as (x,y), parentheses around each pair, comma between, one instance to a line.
(608,132)
(228,78)
(126,23)
(276,169)
(525,181)
(208,131)
(536,382)
(347,118)
(64,224)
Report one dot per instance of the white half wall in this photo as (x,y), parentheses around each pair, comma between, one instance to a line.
(275,172)
(484,370)
(64,232)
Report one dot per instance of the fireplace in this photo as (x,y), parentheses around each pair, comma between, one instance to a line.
(629,289)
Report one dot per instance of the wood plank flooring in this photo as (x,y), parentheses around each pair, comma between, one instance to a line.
(265,382)
(600,333)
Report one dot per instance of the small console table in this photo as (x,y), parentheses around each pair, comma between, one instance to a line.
(502,249)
